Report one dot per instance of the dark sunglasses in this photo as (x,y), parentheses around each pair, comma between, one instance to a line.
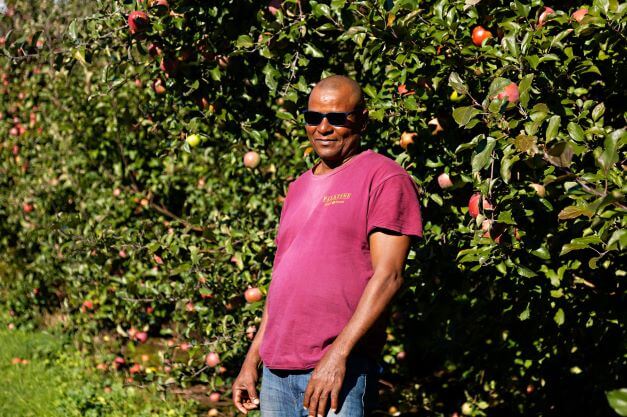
(314,118)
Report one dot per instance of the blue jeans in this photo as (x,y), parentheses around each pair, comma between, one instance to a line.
(283,392)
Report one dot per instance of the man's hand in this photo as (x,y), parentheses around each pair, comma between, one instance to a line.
(244,388)
(326,379)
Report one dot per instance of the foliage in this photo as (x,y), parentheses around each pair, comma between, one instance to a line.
(55,383)
(112,218)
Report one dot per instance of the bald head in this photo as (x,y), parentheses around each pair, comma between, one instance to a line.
(342,85)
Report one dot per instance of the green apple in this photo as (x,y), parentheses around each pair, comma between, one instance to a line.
(455,97)
(193,140)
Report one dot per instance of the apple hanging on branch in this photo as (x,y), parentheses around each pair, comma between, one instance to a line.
(473,204)
(138,22)
(251,159)
(480,34)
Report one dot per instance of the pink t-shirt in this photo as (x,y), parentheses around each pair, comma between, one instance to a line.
(323,263)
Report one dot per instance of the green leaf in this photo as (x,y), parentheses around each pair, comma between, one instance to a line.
(244,41)
(524,87)
(560,154)
(572,212)
(455,81)
(618,401)
(526,272)
(483,158)
(611,145)
(559,317)
(553,127)
(72,30)
(525,313)
(524,143)
(598,111)
(313,51)
(576,132)
(463,115)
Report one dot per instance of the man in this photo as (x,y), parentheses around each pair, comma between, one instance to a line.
(343,239)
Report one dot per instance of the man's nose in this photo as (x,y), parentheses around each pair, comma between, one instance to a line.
(325,127)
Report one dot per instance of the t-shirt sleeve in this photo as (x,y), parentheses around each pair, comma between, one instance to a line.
(394,205)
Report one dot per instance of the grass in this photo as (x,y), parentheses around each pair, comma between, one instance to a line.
(55,382)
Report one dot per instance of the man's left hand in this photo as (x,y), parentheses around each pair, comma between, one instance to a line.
(326,379)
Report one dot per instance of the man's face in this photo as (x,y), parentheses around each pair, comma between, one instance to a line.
(334,143)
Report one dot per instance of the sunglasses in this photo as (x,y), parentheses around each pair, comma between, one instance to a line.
(314,118)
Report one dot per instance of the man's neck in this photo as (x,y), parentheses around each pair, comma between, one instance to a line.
(325,166)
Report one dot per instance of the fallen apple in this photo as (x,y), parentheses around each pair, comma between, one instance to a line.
(141,337)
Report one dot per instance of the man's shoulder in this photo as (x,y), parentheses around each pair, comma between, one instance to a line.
(381,167)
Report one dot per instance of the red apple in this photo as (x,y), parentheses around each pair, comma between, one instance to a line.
(479,34)
(141,337)
(274,6)
(138,83)
(212,359)
(132,332)
(154,50)
(185,346)
(150,310)
(169,66)
(87,305)
(158,87)
(544,15)
(401,355)
(16,150)
(253,295)
(137,21)
(444,181)
(158,259)
(214,397)
(579,14)
(510,92)
(189,307)
(118,362)
(135,369)
(403,91)
(223,61)
(473,204)
(102,367)
(251,159)
(27,208)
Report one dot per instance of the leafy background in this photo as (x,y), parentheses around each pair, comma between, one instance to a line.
(113,225)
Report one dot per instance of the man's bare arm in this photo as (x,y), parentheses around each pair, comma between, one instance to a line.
(244,387)
(388,252)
